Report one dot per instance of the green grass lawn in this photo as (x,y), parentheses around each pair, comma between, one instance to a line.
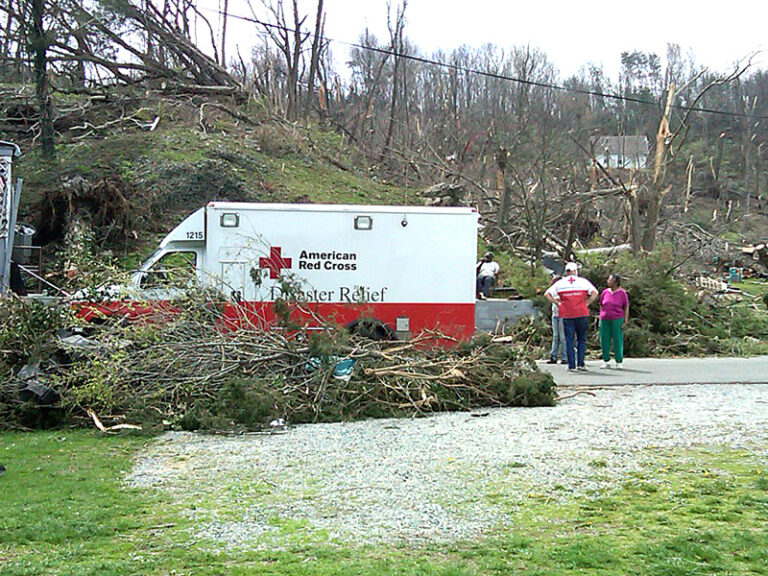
(754,287)
(66,510)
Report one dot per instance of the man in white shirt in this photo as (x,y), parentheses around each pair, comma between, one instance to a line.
(487,270)
(573,295)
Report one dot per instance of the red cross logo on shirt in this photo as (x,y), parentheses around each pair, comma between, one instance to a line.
(275,262)
(571,280)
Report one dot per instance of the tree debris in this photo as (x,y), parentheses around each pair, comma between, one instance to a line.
(196,371)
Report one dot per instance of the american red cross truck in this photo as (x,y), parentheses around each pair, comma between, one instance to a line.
(407,268)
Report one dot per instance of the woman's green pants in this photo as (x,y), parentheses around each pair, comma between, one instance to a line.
(611,330)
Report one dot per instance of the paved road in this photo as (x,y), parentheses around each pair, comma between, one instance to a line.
(666,371)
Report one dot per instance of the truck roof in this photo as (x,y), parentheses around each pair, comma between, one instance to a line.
(355,208)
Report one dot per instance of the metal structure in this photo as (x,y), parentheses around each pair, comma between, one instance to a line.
(9,206)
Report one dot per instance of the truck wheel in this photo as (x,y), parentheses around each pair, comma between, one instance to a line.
(372,329)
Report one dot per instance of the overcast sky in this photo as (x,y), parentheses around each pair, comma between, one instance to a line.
(572,33)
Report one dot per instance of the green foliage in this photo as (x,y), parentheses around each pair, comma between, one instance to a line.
(290,295)
(526,389)
(241,404)
(326,344)
(96,387)
(196,369)
(741,321)
(532,389)
(27,335)
(659,302)
(529,283)
(514,272)
(475,344)
(638,341)
(666,318)
(27,328)
(83,269)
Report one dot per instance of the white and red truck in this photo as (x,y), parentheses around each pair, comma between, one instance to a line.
(406,268)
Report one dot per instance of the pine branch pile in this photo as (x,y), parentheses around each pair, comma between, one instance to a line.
(195,371)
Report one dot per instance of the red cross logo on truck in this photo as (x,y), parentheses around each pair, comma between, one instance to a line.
(275,262)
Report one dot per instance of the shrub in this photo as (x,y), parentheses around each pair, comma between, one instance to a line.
(532,389)
(638,342)
(666,317)
(241,404)
(27,328)
(175,185)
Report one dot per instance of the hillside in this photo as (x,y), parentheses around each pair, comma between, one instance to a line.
(152,162)
(131,166)
(147,118)
(142,164)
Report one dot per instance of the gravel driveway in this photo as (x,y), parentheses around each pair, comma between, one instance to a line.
(436,479)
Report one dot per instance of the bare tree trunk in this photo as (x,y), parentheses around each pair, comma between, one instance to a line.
(656,190)
(747,177)
(23,37)
(406,101)
(454,103)
(392,109)
(290,46)
(633,208)
(5,56)
(688,181)
(714,169)
(504,189)
(39,46)
(82,46)
(368,108)
(224,17)
(749,136)
(315,55)
(293,91)
(397,46)
(573,226)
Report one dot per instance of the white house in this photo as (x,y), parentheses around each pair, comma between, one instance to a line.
(629,152)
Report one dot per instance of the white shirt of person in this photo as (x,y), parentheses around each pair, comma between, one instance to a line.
(488,269)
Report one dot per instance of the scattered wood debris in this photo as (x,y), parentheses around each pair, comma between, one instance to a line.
(195,366)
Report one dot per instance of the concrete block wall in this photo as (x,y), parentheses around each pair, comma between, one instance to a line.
(491,315)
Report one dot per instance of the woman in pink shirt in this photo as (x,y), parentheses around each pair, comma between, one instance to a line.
(614,312)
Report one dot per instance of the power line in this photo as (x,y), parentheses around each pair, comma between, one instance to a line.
(497,76)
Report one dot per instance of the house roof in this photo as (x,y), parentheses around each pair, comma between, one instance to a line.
(627,146)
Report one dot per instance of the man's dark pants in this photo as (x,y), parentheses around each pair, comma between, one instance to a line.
(484,285)
(575,327)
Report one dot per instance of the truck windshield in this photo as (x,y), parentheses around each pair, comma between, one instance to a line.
(173,269)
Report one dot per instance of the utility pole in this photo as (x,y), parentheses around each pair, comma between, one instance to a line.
(9,206)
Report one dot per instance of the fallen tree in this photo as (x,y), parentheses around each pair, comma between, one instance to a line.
(195,370)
